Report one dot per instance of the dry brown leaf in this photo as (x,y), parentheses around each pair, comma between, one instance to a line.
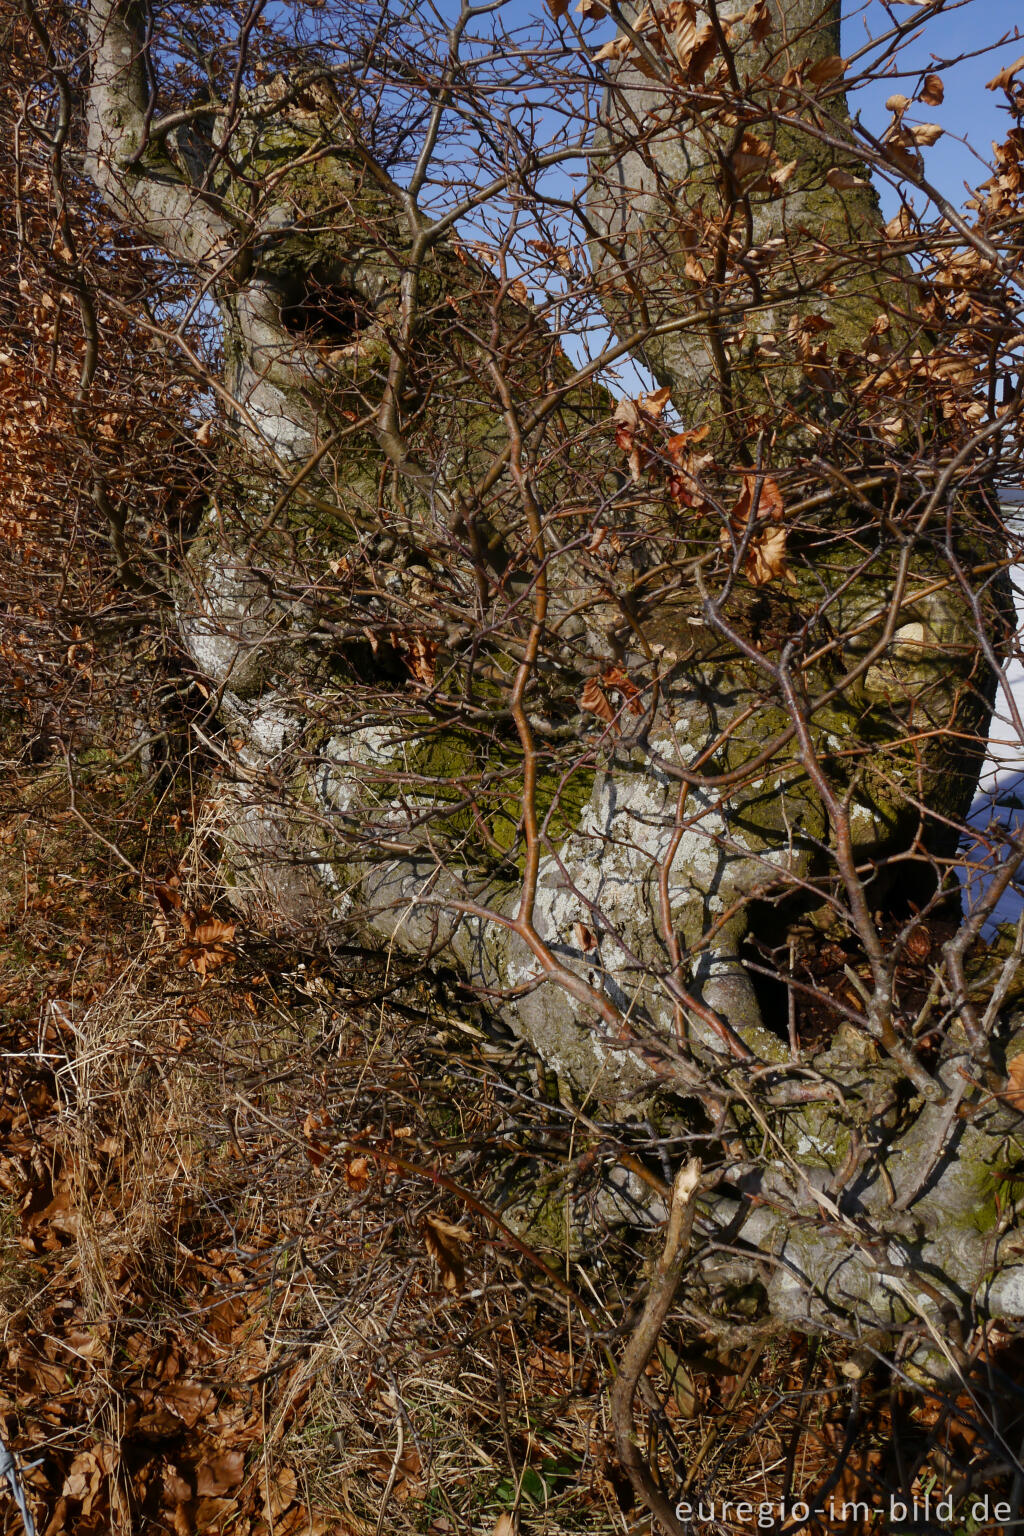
(84,1480)
(176,1489)
(486,253)
(220,1474)
(591,10)
(209,941)
(1001,82)
(627,414)
(633,419)
(168,896)
(585,940)
(213,933)
(919,943)
(900,153)
(411,1463)
(504,1526)
(759,20)
(897,104)
(826,70)
(409,1470)
(618,48)
(770,501)
(357,1172)
(782,174)
(188,1403)
(281,1493)
(643,67)
(685,40)
(1014,1094)
(442,1239)
(933,92)
(636,462)
(843,181)
(615,677)
(213,1515)
(420,654)
(753,156)
(316,1147)
(655,403)
(675,445)
(898,228)
(766,558)
(208,937)
(558,8)
(684,484)
(595,701)
(59,1519)
(704,52)
(925,133)
(555,253)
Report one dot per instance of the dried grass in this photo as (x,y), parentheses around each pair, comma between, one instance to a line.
(224,1314)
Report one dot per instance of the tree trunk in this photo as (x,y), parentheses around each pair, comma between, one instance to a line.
(400,597)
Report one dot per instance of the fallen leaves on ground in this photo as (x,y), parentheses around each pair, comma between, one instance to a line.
(209,943)
(208,940)
(135,1415)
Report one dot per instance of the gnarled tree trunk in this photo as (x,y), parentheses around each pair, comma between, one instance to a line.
(590,737)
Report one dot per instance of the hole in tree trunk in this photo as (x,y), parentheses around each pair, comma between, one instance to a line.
(317,309)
